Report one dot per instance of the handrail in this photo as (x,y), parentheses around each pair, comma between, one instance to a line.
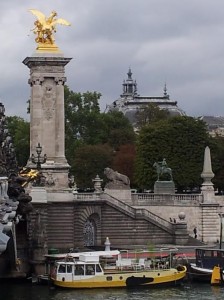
(140,211)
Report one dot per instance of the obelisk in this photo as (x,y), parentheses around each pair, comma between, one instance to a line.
(47,78)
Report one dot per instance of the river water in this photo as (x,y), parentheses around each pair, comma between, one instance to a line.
(38,292)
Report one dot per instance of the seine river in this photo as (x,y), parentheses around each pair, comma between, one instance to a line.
(38,292)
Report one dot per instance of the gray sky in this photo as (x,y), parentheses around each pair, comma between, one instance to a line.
(177,42)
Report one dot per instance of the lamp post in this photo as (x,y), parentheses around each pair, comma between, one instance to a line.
(38,160)
(221,215)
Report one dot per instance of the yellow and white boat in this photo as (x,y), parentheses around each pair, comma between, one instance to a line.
(86,271)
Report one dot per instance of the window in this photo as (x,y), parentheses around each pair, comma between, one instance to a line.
(90,269)
(79,270)
(98,269)
(61,268)
(69,268)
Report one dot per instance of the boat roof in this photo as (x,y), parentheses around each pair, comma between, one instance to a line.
(78,254)
(210,249)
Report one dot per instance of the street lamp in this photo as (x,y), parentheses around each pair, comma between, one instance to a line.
(38,160)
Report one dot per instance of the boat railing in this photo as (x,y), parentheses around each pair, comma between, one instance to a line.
(158,259)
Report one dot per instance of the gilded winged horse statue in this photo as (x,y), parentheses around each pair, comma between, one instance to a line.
(46,26)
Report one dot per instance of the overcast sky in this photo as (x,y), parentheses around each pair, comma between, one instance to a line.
(177,42)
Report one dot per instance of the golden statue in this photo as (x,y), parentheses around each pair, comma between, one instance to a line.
(44,29)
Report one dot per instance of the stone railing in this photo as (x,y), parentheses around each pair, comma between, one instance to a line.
(157,219)
(139,199)
(85,196)
(119,203)
(140,212)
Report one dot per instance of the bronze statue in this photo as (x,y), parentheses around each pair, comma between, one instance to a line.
(46,26)
(161,168)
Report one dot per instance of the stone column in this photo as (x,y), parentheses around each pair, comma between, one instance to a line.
(207,188)
(47,113)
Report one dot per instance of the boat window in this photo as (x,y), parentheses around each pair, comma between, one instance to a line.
(90,269)
(69,268)
(79,270)
(208,253)
(61,268)
(98,269)
(109,278)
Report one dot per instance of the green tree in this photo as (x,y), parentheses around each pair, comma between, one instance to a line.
(123,161)
(19,129)
(89,161)
(181,140)
(86,125)
(217,159)
(150,113)
(117,129)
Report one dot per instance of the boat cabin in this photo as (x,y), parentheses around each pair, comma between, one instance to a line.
(208,258)
(84,267)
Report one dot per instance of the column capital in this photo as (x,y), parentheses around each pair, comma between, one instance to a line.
(60,80)
(36,80)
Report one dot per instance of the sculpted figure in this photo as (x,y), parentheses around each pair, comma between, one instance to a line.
(116,179)
(45,27)
(161,168)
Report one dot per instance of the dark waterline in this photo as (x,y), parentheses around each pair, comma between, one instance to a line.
(38,292)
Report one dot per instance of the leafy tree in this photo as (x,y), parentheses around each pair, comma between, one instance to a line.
(19,129)
(123,161)
(89,161)
(117,129)
(150,113)
(217,157)
(181,140)
(86,125)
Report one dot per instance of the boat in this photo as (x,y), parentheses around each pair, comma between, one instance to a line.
(205,261)
(108,269)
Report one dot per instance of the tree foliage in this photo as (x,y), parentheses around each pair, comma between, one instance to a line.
(89,161)
(19,129)
(217,159)
(123,161)
(181,140)
(149,114)
(85,125)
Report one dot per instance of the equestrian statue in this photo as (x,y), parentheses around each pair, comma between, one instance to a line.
(162,169)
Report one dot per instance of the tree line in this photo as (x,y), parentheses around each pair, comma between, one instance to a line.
(95,140)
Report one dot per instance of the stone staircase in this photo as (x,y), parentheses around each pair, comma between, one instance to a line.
(140,213)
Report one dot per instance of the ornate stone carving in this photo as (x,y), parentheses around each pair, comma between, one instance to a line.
(117,180)
(50,181)
(36,80)
(48,100)
(60,80)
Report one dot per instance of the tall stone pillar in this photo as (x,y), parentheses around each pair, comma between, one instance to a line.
(207,188)
(47,78)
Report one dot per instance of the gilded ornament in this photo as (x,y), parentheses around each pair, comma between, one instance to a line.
(44,29)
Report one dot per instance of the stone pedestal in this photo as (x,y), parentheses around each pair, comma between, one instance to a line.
(123,195)
(181,234)
(164,187)
(47,78)
(38,194)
